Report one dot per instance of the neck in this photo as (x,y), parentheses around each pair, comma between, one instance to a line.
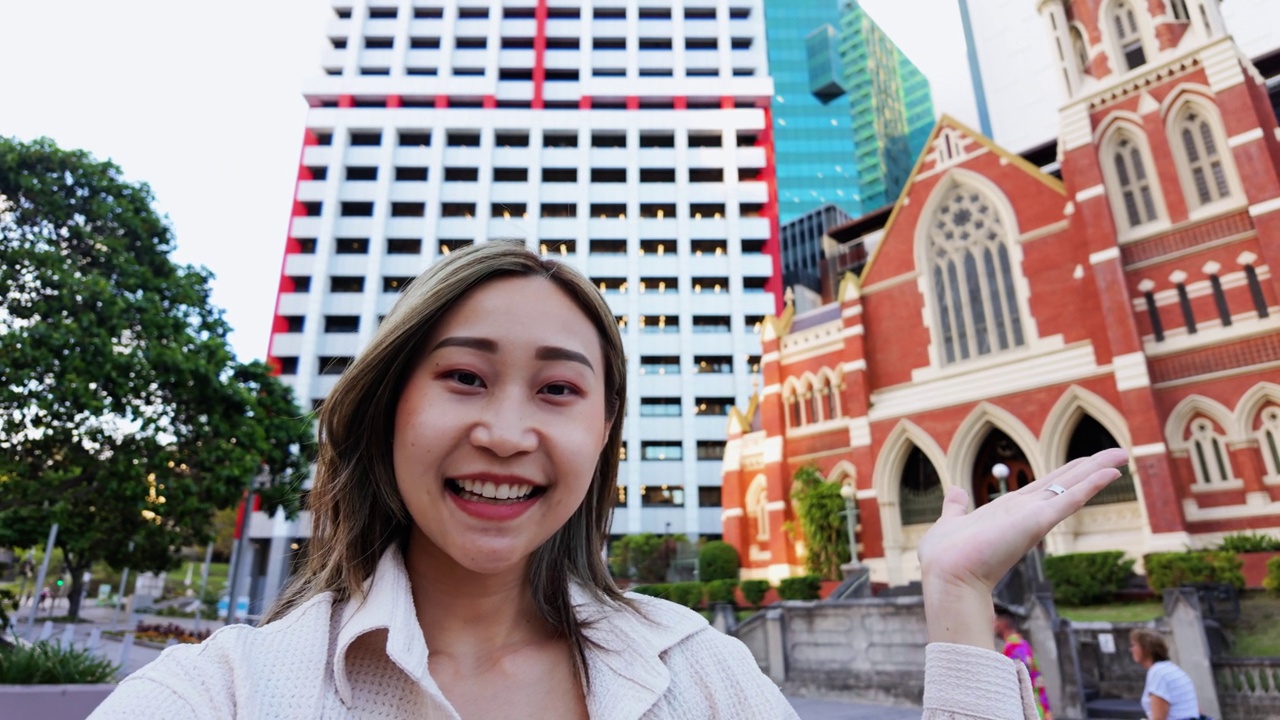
(468,614)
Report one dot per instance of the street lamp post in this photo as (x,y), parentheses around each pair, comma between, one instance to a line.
(1001,471)
(851,521)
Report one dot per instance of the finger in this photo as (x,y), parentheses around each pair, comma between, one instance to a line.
(955,503)
(1075,471)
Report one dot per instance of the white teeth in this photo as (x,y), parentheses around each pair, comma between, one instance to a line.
(494,491)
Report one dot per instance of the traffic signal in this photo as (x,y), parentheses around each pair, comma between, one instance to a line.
(59,582)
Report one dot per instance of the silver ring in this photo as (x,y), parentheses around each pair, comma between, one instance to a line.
(1056,489)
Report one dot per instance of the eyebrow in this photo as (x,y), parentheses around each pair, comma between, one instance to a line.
(544,353)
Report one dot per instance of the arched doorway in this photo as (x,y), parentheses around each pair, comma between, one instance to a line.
(1088,438)
(920,493)
(999,449)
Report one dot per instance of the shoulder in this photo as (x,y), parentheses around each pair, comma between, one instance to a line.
(205,679)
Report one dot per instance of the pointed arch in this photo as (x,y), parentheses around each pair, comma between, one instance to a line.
(963,451)
(844,471)
(1206,168)
(886,479)
(1130,178)
(757,510)
(791,402)
(970,265)
(809,406)
(1252,402)
(1257,406)
(1127,33)
(1066,413)
(1175,427)
(831,393)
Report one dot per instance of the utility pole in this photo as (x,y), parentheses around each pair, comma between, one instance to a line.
(44,570)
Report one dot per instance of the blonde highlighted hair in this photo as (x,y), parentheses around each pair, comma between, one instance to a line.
(356,509)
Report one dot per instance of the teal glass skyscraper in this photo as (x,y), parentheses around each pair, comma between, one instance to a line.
(850,111)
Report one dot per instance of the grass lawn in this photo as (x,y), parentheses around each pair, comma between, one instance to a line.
(217,577)
(1120,612)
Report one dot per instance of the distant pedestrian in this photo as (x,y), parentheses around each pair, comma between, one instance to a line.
(1018,648)
(1169,693)
(44,595)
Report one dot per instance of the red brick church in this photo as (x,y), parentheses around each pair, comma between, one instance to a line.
(1009,318)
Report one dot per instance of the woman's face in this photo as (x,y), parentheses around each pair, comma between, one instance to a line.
(500,425)
(1135,652)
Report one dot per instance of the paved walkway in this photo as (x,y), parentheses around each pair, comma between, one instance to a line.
(105,618)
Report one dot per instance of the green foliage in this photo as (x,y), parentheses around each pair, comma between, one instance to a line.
(821,511)
(8,602)
(1166,570)
(1272,581)
(803,587)
(49,663)
(124,416)
(658,590)
(1087,578)
(644,557)
(722,591)
(753,591)
(688,594)
(1249,542)
(718,560)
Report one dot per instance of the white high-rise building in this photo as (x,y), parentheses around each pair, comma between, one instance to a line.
(1020,77)
(630,138)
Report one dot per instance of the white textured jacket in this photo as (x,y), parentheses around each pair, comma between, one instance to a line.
(369,660)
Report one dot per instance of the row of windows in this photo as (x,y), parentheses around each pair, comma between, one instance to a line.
(701,365)
(413,246)
(369,173)
(812,398)
(566,138)
(666,324)
(551,43)
(1211,458)
(670,495)
(672,285)
(348,283)
(480,12)
(670,407)
(604,211)
(1186,310)
(550,74)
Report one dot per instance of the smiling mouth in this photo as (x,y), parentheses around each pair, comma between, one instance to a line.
(489,492)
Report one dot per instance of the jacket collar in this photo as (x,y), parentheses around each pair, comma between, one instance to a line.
(624,654)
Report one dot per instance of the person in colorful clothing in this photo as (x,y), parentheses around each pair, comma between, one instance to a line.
(1018,648)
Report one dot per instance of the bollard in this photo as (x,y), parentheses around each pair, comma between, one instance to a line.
(95,641)
(46,632)
(68,634)
(125,647)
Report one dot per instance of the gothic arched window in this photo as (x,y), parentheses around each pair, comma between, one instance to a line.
(1124,22)
(1209,453)
(975,306)
(920,490)
(1206,173)
(1269,440)
(1133,182)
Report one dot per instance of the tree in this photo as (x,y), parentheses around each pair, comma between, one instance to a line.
(821,511)
(124,416)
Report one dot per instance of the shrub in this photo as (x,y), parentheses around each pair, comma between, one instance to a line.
(821,512)
(658,590)
(161,632)
(1250,542)
(753,591)
(1166,570)
(644,557)
(804,587)
(688,594)
(721,591)
(718,560)
(50,663)
(1272,581)
(1087,578)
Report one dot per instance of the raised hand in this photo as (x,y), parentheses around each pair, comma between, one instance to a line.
(965,554)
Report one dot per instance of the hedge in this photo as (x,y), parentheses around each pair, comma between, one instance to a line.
(1087,578)
(1250,542)
(718,560)
(1272,581)
(1166,570)
(804,587)
(721,591)
(753,591)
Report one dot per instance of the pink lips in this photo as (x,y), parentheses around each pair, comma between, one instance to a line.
(497,512)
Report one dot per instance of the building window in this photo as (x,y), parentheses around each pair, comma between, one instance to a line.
(1208,453)
(1153,313)
(975,305)
(1133,183)
(508,210)
(1206,175)
(1128,37)
(558,210)
(294,323)
(712,406)
(448,245)
(661,451)
(660,365)
(461,174)
(288,365)
(620,499)
(357,209)
(359,138)
(408,209)
(414,139)
(710,497)
(454,209)
(300,283)
(346,284)
(1184,303)
(714,364)
(341,323)
(411,174)
(659,324)
(395,284)
(1255,291)
(659,407)
(404,246)
(1220,300)
(920,491)
(711,450)
(1179,8)
(335,365)
(361,173)
(757,502)
(663,495)
(710,323)
(1269,440)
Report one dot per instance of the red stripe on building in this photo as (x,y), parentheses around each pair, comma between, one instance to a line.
(539,54)
(772,247)
(291,246)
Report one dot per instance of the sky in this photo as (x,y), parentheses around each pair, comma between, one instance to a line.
(203,101)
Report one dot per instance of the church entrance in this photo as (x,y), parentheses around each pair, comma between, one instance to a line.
(999,467)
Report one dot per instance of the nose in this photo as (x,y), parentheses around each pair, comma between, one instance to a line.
(505,427)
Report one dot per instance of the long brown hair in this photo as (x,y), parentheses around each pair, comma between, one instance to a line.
(356,509)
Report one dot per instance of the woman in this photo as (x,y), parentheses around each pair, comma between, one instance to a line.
(463,491)
(1169,693)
